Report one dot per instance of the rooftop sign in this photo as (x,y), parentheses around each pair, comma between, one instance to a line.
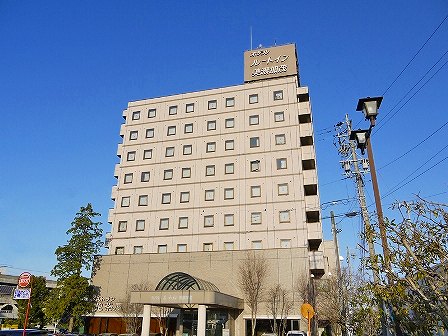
(272,62)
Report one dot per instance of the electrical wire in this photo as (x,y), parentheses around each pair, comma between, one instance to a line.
(421,48)
(410,150)
(397,187)
(415,93)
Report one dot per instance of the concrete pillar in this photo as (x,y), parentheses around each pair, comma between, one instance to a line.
(146,323)
(202,320)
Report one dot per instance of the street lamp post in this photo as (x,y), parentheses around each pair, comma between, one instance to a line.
(369,106)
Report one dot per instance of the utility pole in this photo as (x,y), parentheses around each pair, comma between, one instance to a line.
(347,149)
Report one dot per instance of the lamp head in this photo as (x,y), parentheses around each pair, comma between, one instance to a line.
(369,106)
(360,136)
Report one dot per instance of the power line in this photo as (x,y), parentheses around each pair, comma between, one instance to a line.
(410,150)
(388,119)
(397,187)
(421,48)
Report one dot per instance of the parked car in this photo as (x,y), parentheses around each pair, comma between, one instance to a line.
(296,333)
(19,332)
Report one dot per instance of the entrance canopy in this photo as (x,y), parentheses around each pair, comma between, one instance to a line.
(181,290)
(184,281)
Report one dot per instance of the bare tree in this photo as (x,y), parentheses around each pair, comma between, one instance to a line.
(131,311)
(162,314)
(279,304)
(253,272)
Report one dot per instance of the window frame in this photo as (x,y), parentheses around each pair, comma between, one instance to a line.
(208,193)
(133,135)
(149,133)
(130,156)
(279,137)
(231,194)
(278,95)
(166,198)
(255,166)
(182,225)
(162,222)
(186,128)
(171,130)
(147,154)
(211,147)
(184,194)
(279,162)
(226,222)
(254,119)
(122,224)
(207,170)
(229,123)
(254,142)
(279,116)
(209,221)
(168,174)
(136,115)
(282,220)
(143,176)
(229,145)
(280,186)
(172,110)
(162,248)
(152,113)
(187,149)
(187,106)
(138,225)
(253,98)
(230,101)
(255,191)
(125,202)
(169,151)
(143,200)
(127,178)
(227,166)
(211,125)
(256,218)
(212,104)
(184,170)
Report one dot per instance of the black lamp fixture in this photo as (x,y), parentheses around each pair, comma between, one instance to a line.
(360,136)
(369,106)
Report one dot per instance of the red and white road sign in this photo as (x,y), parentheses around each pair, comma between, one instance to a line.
(24,279)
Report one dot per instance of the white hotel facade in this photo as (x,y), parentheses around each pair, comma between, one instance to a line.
(205,177)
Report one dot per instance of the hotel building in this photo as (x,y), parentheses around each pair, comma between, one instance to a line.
(205,178)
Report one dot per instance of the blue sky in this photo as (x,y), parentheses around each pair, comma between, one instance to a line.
(68,69)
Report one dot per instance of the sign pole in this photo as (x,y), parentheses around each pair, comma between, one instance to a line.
(27,308)
(309,324)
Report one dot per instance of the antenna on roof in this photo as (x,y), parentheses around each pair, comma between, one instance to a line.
(250,37)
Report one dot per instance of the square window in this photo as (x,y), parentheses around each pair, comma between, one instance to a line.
(253,99)
(188,128)
(169,151)
(143,200)
(183,222)
(125,201)
(147,154)
(209,221)
(230,102)
(136,115)
(161,249)
(229,168)
(119,250)
(281,163)
(145,177)
(131,156)
(181,247)
(229,219)
(211,147)
(230,123)
(254,120)
(185,197)
(230,145)
(255,191)
(278,95)
(254,142)
(256,244)
(284,216)
(189,108)
(164,223)
(188,149)
(122,226)
(172,110)
(228,193)
(210,195)
(138,249)
(171,130)
(255,166)
(285,243)
(166,198)
(133,135)
(280,139)
(255,218)
(140,225)
(207,247)
(186,172)
(150,133)
(212,104)
(128,178)
(228,246)
(211,125)
(283,189)
(151,113)
(168,174)
(279,116)
(210,170)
